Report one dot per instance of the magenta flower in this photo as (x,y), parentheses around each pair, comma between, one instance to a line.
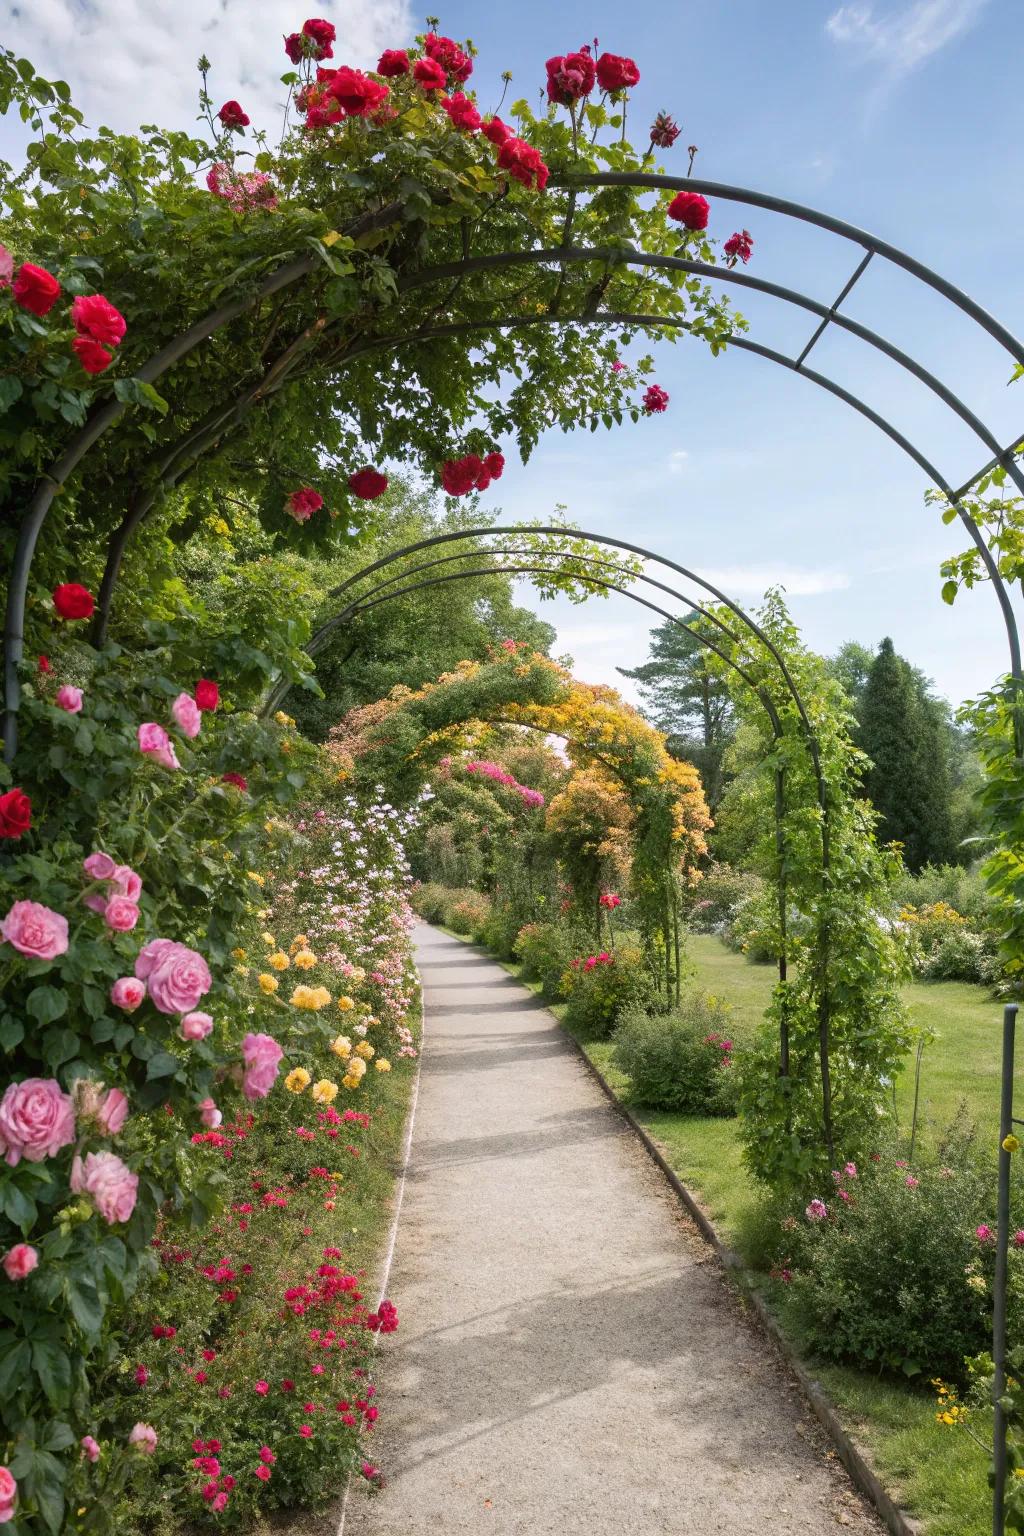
(816,1211)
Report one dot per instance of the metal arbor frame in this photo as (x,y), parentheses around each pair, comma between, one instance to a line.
(289,364)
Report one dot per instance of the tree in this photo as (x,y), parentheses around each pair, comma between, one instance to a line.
(850,667)
(903,732)
(684,698)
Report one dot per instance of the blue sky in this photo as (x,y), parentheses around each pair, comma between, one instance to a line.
(904,116)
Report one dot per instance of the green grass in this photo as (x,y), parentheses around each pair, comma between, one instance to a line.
(939,1476)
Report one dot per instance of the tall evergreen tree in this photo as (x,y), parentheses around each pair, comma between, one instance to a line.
(905,733)
(683,698)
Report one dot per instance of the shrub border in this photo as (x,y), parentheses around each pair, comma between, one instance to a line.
(853,1459)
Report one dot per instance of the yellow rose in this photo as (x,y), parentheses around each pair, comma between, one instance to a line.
(268,984)
(1010,1144)
(299,942)
(270,941)
(382,1064)
(321,997)
(364,1049)
(356,1066)
(297,1080)
(350,1082)
(257,879)
(238,954)
(341,1045)
(302,997)
(278,961)
(325,1091)
(305,959)
(345,1004)
(358,974)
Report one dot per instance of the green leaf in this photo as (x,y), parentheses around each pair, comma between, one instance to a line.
(15,1364)
(53,1368)
(44,1004)
(84,1301)
(11,389)
(12,1033)
(17,1206)
(162,1064)
(949,592)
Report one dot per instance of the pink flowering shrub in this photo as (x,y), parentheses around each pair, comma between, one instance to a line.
(682,1060)
(892,1268)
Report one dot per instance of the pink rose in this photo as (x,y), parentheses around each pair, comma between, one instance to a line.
(154,742)
(8,1495)
(127,993)
(144,1437)
(150,955)
(121,914)
(113,1112)
(195,1026)
(36,1120)
(109,1182)
(261,1054)
(90,1447)
(20,1261)
(95,902)
(35,931)
(177,977)
(209,1114)
(127,882)
(186,714)
(99,866)
(70,699)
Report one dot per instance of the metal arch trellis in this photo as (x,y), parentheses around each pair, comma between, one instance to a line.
(207,436)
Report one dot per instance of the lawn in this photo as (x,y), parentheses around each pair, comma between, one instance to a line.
(938,1476)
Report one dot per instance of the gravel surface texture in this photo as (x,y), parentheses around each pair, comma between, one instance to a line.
(570,1358)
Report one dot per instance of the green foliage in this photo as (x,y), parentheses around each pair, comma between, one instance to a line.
(721,892)
(547,951)
(960,887)
(681,1060)
(463,911)
(901,731)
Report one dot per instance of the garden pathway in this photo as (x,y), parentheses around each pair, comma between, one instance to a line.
(570,1358)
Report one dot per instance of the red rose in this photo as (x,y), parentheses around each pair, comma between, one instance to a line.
(664,131)
(459,476)
(449,55)
(294,47)
(207,694)
(570,77)
(429,74)
(232,116)
(93,357)
(615,72)
(94,316)
(690,209)
(462,112)
(302,504)
(524,163)
(355,92)
(655,400)
(392,62)
(496,131)
(35,289)
(235,779)
(15,813)
(368,484)
(739,247)
(73,601)
(44,664)
(494,463)
(321,34)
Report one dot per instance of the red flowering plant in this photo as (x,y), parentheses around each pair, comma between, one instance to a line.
(321,249)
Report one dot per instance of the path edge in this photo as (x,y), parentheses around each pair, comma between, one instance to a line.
(853,1459)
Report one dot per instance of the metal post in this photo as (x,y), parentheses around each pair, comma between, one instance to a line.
(999,1286)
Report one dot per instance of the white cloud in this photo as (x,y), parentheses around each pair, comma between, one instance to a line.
(677,460)
(754,580)
(905,38)
(132,61)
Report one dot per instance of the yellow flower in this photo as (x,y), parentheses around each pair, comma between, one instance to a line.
(325,1091)
(341,1045)
(299,942)
(297,1080)
(270,941)
(278,961)
(238,954)
(350,1082)
(321,997)
(268,826)
(364,1049)
(221,527)
(257,879)
(345,1004)
(302,997)
(382,1064)
(1010,1144)
(357,973)
(283,719)
(305,959)
(268,984)
(356,1067)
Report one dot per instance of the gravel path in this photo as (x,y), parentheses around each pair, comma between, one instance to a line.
(570,1358)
